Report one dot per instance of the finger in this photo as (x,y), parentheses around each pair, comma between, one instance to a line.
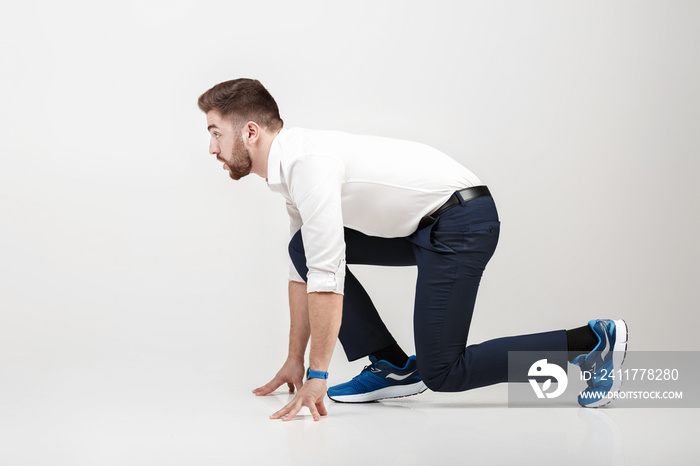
(269,387)
(279,413)
(314,411)
(264,390)
(292,412)
(283,411)
(321,408)
(262,387)
(299,384)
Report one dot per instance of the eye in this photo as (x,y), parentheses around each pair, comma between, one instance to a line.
(217,135)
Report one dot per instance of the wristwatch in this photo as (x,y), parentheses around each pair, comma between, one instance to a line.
(315,374)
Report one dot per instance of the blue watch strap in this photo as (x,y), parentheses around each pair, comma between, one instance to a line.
(315,374)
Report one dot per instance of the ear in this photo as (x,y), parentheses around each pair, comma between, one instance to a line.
(251,133)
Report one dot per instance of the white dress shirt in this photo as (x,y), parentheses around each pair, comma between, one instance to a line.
(378,186)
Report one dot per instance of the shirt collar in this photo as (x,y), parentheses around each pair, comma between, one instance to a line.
(274,161)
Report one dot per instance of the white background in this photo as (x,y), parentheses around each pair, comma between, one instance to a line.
(130,259)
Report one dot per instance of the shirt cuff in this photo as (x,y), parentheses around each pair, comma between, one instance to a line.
(326,281)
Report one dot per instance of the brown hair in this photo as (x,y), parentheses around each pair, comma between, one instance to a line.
(243,99)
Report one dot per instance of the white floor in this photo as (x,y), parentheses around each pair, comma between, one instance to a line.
(157,413)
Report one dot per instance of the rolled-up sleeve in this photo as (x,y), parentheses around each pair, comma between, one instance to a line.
(315,188)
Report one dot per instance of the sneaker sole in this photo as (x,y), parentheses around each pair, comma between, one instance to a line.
(398,391)
(619,354)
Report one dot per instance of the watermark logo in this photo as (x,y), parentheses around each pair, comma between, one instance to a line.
(542,368)
(647,379)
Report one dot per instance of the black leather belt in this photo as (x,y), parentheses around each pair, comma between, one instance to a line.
(467,194)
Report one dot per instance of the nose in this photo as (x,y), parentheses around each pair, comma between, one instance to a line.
(214,148)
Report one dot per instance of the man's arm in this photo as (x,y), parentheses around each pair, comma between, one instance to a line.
(315,186)
(299,327)
(325,316)
(292,372)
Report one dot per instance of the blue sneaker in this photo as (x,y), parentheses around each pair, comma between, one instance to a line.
(378,381)
(602,365)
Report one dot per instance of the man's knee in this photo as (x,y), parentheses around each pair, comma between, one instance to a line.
(432,377)
(296,248)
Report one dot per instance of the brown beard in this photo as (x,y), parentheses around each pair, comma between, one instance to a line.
(241,163)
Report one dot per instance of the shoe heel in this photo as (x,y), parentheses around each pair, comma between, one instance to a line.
(621,329)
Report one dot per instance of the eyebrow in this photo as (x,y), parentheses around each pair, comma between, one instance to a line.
(212,126)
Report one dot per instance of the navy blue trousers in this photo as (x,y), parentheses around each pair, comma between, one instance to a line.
(451,255)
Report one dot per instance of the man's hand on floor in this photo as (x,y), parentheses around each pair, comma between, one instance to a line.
(291,373)
(310,395)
